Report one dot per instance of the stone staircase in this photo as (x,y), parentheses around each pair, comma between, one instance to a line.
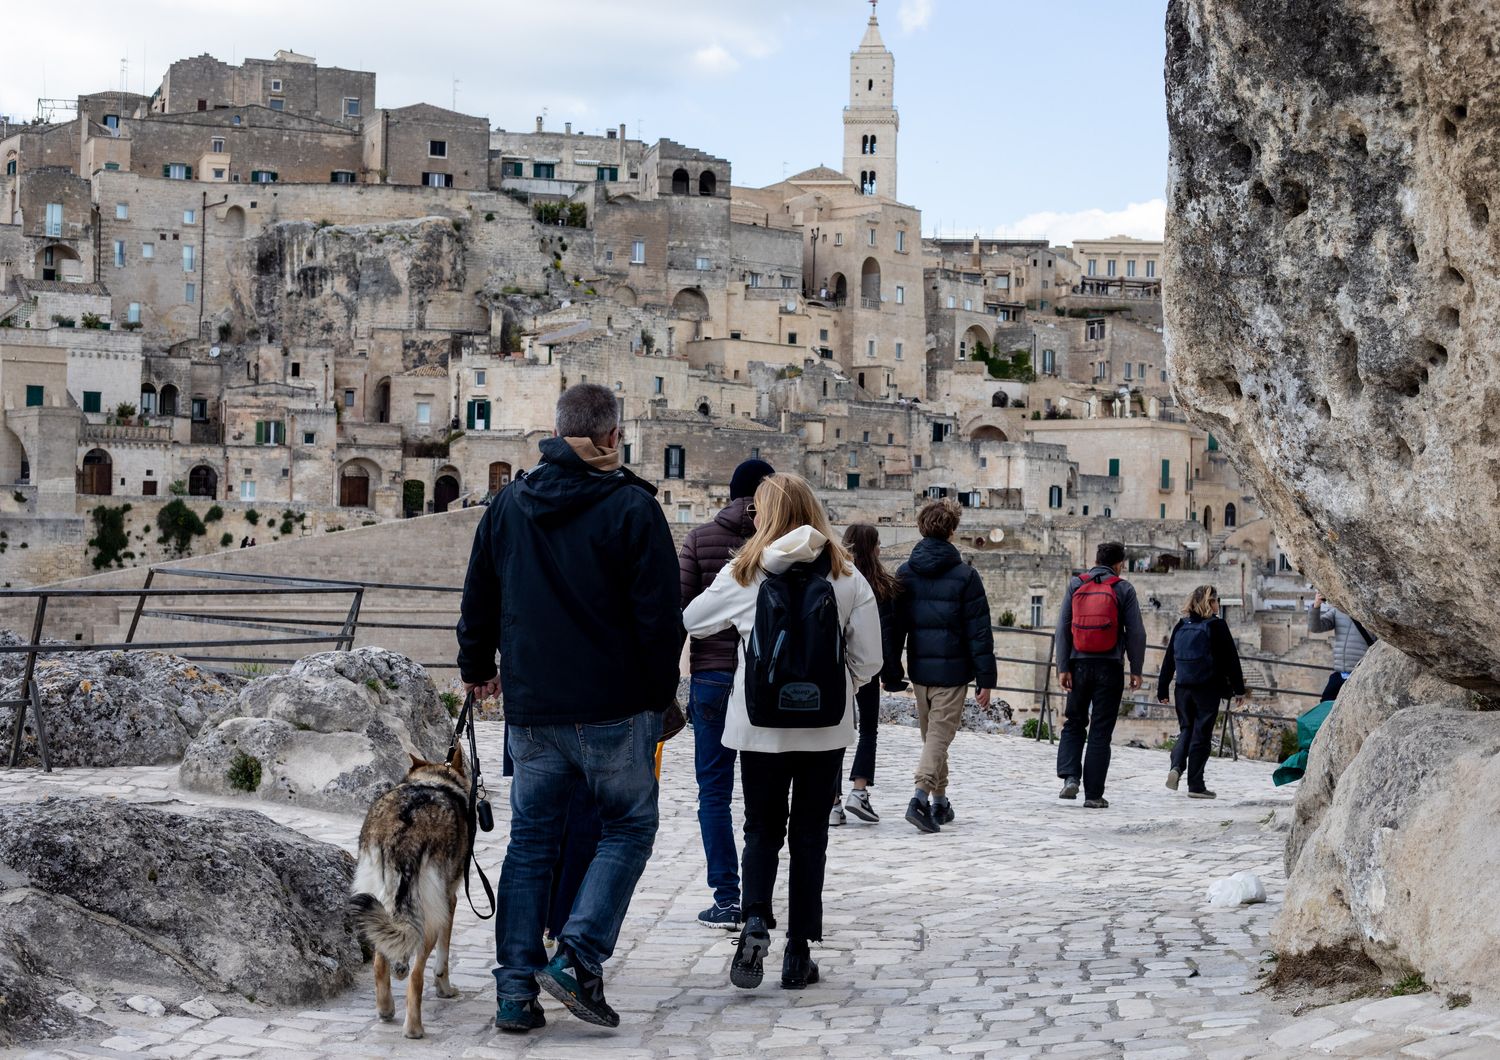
(20,313)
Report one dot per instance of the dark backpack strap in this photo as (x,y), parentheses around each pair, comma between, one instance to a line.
(1363,632)
(475,801)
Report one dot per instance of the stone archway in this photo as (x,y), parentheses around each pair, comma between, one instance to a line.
(690,304)
(58,261)
(708,184)
(987,433)
(166,401)
(1208,520)
(203,481)
(98,476)
(1230,516)
(840,288)
(681,182)
(869,282)
(499,476)
(357,480)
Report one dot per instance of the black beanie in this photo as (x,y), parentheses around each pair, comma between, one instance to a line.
(747,477)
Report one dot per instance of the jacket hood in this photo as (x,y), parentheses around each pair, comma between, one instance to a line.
(933,556)
(802,545)
(736,517)
(563,484)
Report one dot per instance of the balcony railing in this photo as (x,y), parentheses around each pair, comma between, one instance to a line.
(206,432)
(114,432)
(869,303)
(1167,485)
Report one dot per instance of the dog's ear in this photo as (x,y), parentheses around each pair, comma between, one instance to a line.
(416,763)
(456,759)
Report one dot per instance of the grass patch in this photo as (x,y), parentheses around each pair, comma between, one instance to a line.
(452,701)
(1411,984)
(1031,726)
(244,772)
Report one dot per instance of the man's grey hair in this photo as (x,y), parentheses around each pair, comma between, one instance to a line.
(587,410)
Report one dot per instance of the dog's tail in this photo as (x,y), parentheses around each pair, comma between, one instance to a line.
(395,937)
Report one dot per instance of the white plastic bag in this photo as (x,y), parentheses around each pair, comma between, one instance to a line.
(1243,888)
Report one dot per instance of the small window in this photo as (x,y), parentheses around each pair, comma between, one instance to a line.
(676,462)
(437,180)
(218,173)
(133,313)
(544,170)
(1129,371)
(437,148)
(870,348)
(217,145)
(296,369)
(119,253)
(900,295)
(952,302)
(822,334)
(35,395)
(838,239)
(657,384)
(916,461)
(1150,270)
(189,258)
(424,412)
(1093,269)
(1130,267)
(1094,329)
(872,237)
(351,108)
(54,219)
(1036,608)
(190,292)
(1109,267)
(984,462)
(791,338)
(247,490)
(309,438)
(189,217)
(270,432)
(968,305)
(91,401)
(702,264)
(479,376)
(900,348)
(900,241)
(236,120)
(275,84)
(278,103)
(754,280)
(638,252)
(513,169)
(348,399)
(122,211)
(1114,467)
(607,173)
(341,176)
(263,176)
(148,250)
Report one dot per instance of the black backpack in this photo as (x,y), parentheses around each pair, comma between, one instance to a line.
(794,664)
(1193,653)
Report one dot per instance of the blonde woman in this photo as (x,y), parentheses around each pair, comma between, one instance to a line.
(809,636)
(1202,656)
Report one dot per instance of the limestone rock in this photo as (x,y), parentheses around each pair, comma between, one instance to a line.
(200,1007)
(108,898)
(1404,865)
(1331,301)
(1385,682)
(333,732)
(146,1005)
(118,708)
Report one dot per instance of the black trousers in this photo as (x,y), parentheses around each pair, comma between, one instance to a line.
(1197,711)
(1331,689)
(787,797)
(1089,722)
(867,699)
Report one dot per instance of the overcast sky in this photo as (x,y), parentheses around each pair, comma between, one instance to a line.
(1017,118)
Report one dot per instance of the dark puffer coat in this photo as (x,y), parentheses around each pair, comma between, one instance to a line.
(943,619)
(706,552)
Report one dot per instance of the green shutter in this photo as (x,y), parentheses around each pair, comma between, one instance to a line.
(1163,511)
(260,432)
(166,170)
(35,396)
(1166,474)
(189,171)
(1114,467)
(470,420)
(91,401)
(1213,444)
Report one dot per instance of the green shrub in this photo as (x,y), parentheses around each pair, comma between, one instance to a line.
(1411,984)
(1289,744)
(20,498)
(1030,727)
(124,410)
(252,516)
(244,772)
(1007,618)
(178,524)
(226,540)
(453,701)
(110,536)
(178,488)
(489,217)
(213,515)
(94,322)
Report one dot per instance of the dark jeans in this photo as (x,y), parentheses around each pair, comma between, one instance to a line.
(1097,684)
(867,700)
(786,799)
(580,841)
(616,761)
(1331,689)
(708,699)
(1197,710)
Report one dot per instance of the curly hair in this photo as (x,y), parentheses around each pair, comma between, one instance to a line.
(938,518)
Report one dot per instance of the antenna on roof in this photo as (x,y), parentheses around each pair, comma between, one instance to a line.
(456,83)
(125,74)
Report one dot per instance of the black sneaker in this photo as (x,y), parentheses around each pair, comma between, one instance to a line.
(798,972)
(1069,788)
(518,1017)
(1101,803)
(1204,794)
(578,988)
(725,917)
(749,968)
(942,812)
(919,814)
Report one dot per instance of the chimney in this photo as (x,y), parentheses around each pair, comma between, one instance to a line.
(538,123)
(622,130)
(567,128)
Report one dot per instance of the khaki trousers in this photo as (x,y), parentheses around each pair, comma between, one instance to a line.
(940,711)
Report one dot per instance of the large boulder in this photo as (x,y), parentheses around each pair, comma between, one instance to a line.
(115,708)
(334,732)
(1332,298)
(112,899)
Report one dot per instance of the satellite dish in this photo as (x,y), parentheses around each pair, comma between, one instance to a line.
(213,351)
(997,535)
(791,305)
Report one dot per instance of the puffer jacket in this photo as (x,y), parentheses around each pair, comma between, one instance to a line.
(705,552)
(943,619)
(1349,645)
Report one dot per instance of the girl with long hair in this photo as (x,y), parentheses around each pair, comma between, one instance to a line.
(863,542)
(788,775)
(1202,657)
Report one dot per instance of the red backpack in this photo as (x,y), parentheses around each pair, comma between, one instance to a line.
(1096,615)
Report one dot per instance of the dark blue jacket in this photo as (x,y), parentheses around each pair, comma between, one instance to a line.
(573,580)
(942,619)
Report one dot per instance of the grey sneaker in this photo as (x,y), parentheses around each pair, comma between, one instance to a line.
(836,816)
(1173,776)
(1100,803)
(1204,794)
(1069,789)
(858,803)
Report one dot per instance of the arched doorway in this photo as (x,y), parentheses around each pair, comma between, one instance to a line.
(98,475)
(987,433)
(354,486)
(444,491)
(499,476)
(974,344)
(59,262)
(840,288)
(1230,515)
(869,282)
(690,304)
(680,182)
(383,401)
(166,402)
(203,481)
(148,399)
(999,400)
(1208,519)
(625,296)
(234,222)
(707,182)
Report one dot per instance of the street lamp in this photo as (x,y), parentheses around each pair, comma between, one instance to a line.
(814,261)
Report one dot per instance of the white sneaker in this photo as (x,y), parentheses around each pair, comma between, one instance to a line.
(836,817)
(858,803)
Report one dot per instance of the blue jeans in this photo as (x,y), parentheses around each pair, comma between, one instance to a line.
(616,760)
(708,701)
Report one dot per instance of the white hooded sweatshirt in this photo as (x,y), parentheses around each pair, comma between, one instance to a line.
(727,604)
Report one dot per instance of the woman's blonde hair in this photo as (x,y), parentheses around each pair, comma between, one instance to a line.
(1200,602)
(783,502)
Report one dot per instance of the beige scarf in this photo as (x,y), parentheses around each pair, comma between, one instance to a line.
(596,457)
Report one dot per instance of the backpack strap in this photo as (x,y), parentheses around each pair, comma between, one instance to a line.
(1363,632)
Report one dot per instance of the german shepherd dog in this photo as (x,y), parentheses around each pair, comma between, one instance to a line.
(412,850)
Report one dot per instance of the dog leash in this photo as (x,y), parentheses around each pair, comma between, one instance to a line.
(480,816)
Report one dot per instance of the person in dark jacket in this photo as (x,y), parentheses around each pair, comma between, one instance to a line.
(571,579)
(704,553)
(1203,646)
(943,625)
(1350,641)
(1095,680)
(863,542)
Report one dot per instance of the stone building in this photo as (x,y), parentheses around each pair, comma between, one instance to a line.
(287,82)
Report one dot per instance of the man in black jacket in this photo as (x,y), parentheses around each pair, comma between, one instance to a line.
(573,581)
(943,624)
(1096,678)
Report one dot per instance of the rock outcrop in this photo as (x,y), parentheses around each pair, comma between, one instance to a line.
(332,733)
(118,708)
(1331,296)
(111,899)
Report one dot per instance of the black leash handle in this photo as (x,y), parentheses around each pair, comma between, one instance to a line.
(479,816)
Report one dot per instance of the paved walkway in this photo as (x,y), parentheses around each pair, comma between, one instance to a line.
(1028,927)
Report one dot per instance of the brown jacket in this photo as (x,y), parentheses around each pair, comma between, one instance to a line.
(705,552)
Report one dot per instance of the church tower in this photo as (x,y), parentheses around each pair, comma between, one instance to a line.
(870,119)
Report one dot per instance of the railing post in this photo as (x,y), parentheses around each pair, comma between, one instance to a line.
(351,624)
(26,698)
(140,605)
(1044,719)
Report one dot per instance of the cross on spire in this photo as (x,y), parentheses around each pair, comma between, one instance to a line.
(872,9)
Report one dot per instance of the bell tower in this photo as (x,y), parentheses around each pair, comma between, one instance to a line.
(870,119)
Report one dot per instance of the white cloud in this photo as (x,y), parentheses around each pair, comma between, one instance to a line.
(1143,220)
(715,59)
(915,14)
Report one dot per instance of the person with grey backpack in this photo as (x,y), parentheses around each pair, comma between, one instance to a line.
(1201,655)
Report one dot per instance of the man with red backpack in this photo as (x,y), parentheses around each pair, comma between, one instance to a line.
(1098,628)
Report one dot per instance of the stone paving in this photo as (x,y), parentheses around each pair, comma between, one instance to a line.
(1028,927)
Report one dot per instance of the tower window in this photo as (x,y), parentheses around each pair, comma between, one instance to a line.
(870,85)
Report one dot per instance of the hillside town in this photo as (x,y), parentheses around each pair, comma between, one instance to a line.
(262,293)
